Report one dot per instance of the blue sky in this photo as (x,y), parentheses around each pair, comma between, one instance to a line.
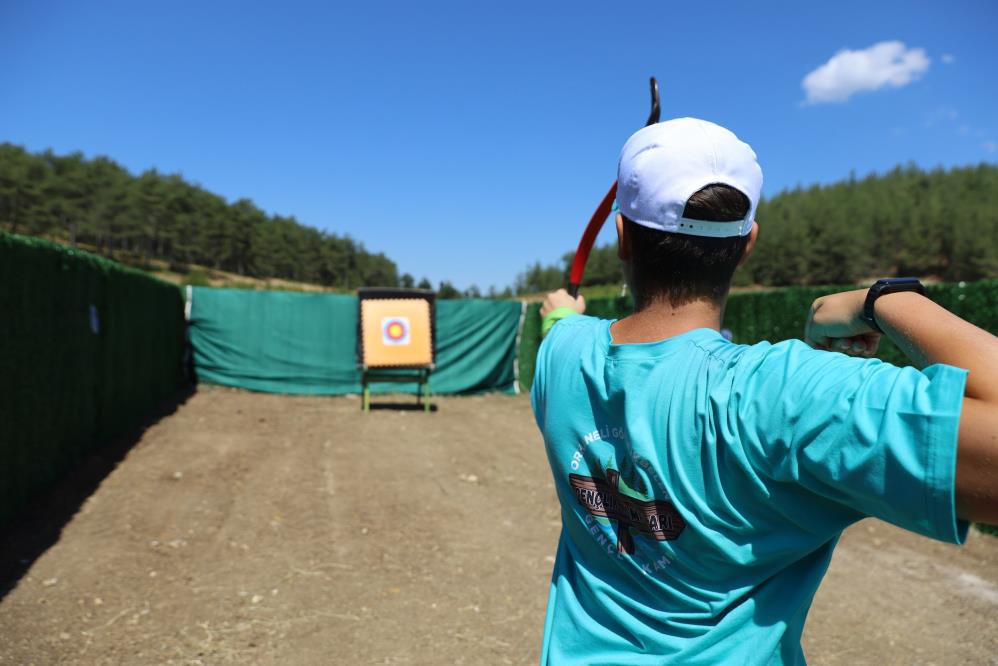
(466,140)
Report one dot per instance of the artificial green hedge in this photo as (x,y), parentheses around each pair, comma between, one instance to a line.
(780,315)
(63,386)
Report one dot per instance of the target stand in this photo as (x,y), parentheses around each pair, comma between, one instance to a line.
(396,339)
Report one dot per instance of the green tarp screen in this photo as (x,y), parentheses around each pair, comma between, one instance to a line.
(283,342)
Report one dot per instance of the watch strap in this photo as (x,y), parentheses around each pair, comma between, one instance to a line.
(887,286)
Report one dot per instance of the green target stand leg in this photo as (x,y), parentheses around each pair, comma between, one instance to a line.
(366,395)
(426,392)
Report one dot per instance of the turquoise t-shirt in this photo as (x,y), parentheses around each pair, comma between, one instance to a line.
(704,484)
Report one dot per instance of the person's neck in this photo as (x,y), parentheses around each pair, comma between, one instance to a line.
(660,320)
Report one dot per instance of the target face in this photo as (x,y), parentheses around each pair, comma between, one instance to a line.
(395,331)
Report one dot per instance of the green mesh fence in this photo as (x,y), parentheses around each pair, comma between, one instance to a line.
(87,347)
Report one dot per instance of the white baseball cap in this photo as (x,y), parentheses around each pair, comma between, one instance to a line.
(661,166)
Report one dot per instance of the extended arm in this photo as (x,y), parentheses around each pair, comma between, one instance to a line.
(929,334)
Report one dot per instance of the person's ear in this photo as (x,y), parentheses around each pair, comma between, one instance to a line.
(750,245)
(623,240)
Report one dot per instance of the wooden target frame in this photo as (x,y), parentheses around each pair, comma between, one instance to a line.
(396,339)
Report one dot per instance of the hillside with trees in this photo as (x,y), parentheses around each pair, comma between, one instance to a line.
(99,203)
(939,224)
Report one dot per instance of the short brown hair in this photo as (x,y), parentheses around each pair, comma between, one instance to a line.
(684,268)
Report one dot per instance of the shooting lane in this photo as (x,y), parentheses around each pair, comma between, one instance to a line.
(396,339)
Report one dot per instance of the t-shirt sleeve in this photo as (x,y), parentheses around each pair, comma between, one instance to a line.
(537,386)
(557,348)
(869,435)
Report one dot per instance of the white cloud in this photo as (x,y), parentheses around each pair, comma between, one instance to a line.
(990,146)
(849,72)
(948,58)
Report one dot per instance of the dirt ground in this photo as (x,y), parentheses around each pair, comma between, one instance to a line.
(260,529)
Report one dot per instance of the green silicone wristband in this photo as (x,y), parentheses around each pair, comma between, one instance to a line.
(554,317)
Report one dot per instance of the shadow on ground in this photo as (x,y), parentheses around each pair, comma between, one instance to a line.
(40,523)
(400,407)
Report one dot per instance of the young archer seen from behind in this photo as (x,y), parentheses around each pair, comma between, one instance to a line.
(704,484)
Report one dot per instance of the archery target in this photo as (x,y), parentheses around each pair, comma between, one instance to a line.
(395,331)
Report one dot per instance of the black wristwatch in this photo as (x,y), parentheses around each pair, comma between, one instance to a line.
(887,286)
